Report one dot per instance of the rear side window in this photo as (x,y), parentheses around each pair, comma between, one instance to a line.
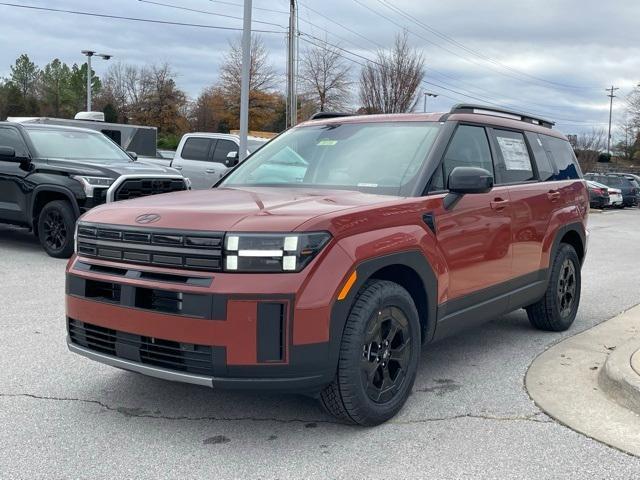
(562,155)
(468,148)
(514,163)
(546,171)
(196,148)
(223,148)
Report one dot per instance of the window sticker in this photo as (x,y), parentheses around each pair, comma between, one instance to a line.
(515,154)
(326,143)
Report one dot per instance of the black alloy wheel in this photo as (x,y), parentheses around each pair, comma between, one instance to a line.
(54,231)
(385,354)
(378,358)
(56,224)
(566,288)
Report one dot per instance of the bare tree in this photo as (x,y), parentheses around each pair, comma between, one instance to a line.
(589,145)
(633,106)
(391,83)
(115,90)
(262,77)
(325,78)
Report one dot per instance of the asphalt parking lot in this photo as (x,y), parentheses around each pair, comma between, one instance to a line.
(470,416)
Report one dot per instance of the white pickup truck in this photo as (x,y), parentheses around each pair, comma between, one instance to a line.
(205,157)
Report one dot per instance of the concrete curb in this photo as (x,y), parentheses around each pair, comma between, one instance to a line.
(619,379)
(564,382)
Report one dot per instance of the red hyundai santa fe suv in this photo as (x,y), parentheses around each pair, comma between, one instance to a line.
(326,261)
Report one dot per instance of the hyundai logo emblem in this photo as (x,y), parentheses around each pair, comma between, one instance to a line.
(147,218)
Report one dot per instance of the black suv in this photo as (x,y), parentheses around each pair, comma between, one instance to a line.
(50,175)
(626,183)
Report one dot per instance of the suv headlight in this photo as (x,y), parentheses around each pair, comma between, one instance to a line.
(91,183)
(269,252)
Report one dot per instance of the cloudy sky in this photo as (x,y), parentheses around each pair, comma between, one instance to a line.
(553,58)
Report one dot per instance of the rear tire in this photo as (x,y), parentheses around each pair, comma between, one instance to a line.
(56,225)
(556,311)
(379,356)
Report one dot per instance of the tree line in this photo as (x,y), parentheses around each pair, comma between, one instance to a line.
(150,94)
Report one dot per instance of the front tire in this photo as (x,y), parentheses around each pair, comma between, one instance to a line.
(556,311)
(56,224)
(379,356)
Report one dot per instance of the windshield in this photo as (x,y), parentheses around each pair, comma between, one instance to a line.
(75,145)
(375,157)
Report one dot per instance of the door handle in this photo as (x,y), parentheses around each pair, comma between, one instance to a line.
(178,167)
(210,170)
(553,195)
(499,203)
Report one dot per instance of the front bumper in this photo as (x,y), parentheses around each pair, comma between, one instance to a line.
(248,331)
(310,382)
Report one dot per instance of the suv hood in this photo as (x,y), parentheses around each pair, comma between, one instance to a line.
(98,168)
(234,209)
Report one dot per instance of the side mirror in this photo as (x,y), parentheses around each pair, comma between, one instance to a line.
(132,154)
(7,154)
(232,159)
(467,180)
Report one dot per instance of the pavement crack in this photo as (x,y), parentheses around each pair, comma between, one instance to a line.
(137,412)
(534,417)
(141,413)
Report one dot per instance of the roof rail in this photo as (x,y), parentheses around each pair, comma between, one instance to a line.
(500,112)
(323,115)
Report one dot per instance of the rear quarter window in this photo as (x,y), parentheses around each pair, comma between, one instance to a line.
(546,170)
(561,154)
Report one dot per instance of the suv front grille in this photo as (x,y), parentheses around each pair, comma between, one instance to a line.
(182,357)
(187,250)
(143,187)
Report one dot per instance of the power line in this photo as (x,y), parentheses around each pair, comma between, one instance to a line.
(234,4)
(206,12)
(324,44)
(134,19)
(333,21)
(473,52)
(452,52)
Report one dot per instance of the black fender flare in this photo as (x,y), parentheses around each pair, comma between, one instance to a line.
(53,188)
(413,259)
(576,227)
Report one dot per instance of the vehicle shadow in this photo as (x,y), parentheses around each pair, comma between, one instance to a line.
(19,239)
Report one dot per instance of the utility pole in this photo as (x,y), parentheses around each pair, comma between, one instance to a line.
(428,94)
(244,80)
(89,54)
(291,67)
(611,97)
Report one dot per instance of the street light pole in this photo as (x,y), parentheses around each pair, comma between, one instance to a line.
(428,94)
(611,97)
(89,54)
(244,80)
(291,66)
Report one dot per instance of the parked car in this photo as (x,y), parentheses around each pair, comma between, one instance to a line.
(629,187)
(598,195)
(402,230)
(615,194)
(205,157)
(635,181)
(50,175)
